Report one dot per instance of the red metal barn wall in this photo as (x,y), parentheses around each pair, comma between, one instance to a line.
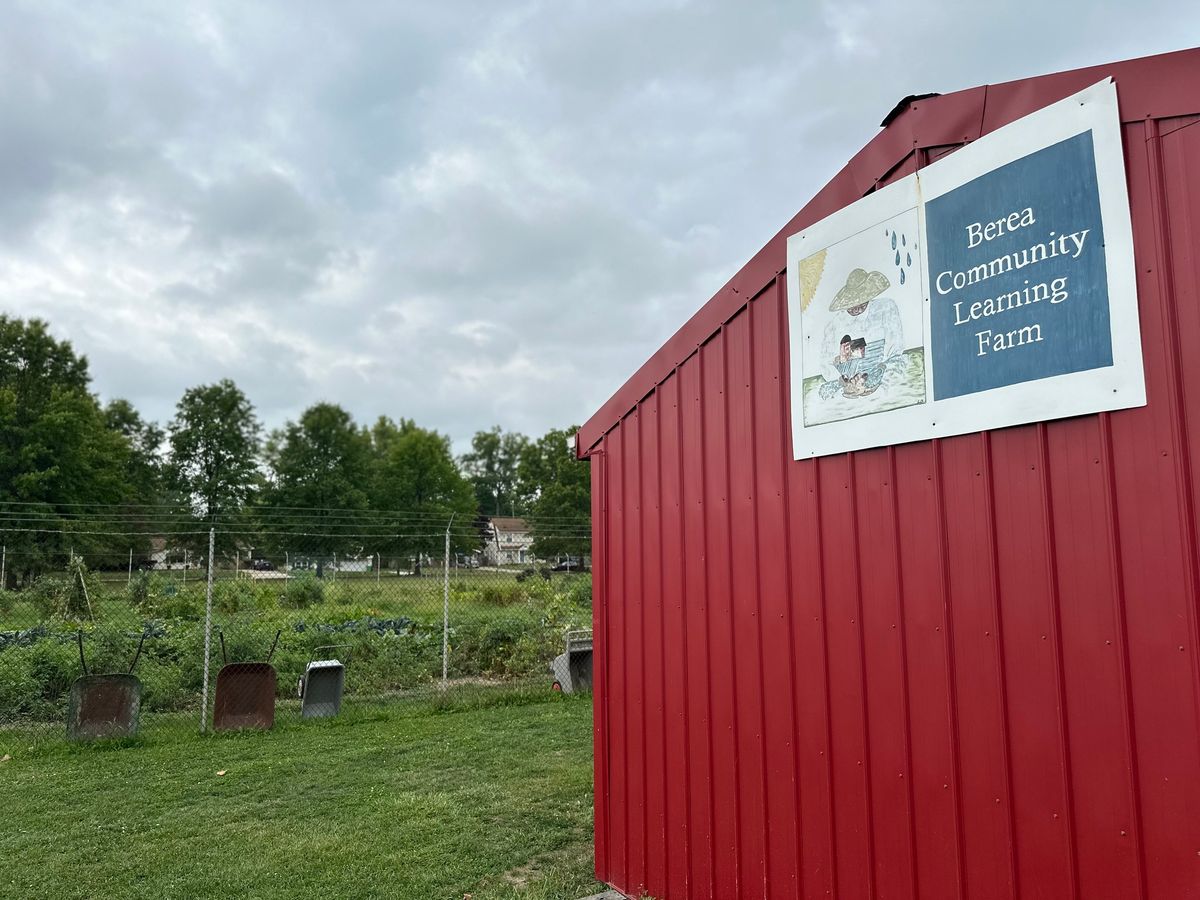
(959,668)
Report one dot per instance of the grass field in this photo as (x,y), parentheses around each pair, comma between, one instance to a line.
(484,794)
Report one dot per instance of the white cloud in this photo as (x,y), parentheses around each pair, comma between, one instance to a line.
(464,213)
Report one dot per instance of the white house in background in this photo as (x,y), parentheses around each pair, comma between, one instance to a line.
(509,542)
(164,556)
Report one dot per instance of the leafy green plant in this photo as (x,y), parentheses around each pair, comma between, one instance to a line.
(68,596)
(303,591)
(231,596)
(152,595)
(504,594)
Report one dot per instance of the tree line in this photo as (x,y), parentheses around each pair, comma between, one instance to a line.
(323,481)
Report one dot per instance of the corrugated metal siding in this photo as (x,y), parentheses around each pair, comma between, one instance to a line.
(965,667)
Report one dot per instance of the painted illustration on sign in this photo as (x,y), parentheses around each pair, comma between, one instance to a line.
(862,323)
(992,287)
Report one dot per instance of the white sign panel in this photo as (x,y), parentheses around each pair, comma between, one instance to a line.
(994,287)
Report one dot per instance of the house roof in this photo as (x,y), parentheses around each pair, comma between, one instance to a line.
(508,523)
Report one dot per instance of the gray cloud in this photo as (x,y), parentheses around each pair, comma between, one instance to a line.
(464,213)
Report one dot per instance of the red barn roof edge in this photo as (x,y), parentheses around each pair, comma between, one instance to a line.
(1151,87)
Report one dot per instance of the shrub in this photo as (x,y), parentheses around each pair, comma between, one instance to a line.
(504,594)
(303,591)
(579,591)
(69,597)
(152,595)
(144,588)
(231,596)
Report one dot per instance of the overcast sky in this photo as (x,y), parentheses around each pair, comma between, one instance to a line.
(463,213)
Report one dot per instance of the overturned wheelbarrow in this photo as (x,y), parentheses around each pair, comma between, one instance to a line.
(104,706)
(572,669)
(320,687)
(245,693)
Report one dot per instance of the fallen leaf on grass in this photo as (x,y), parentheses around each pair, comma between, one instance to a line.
(223,771)
(5,758)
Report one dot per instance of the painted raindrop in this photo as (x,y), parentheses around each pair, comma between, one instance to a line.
(902,276)
(893,240)
(897,257)
(908,257)
(904,240)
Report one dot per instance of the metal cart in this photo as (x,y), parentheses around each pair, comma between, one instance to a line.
(320,687)
(245,693)
(104,706)
(572,669)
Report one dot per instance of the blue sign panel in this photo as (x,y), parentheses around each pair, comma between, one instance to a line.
(1017,280)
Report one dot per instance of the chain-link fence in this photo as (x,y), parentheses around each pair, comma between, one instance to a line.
(229,626)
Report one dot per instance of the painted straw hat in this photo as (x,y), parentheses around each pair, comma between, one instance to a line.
(860,288)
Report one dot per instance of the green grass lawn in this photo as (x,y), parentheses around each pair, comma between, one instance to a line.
(485,794)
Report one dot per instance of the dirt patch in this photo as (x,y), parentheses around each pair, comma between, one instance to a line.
(530,874)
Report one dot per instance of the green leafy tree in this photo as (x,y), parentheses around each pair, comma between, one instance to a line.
(419,485)
(559,513)
(384,433)
(144,469)
(319,469)
(215,445)
(58,457)
(492,467)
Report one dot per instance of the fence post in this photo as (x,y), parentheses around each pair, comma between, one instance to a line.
(3,566)
(446,606)
(212,534)
(129,577)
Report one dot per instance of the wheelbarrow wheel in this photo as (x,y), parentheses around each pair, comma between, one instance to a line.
(557,687)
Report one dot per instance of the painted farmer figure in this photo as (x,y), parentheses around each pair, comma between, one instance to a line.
(863,335)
